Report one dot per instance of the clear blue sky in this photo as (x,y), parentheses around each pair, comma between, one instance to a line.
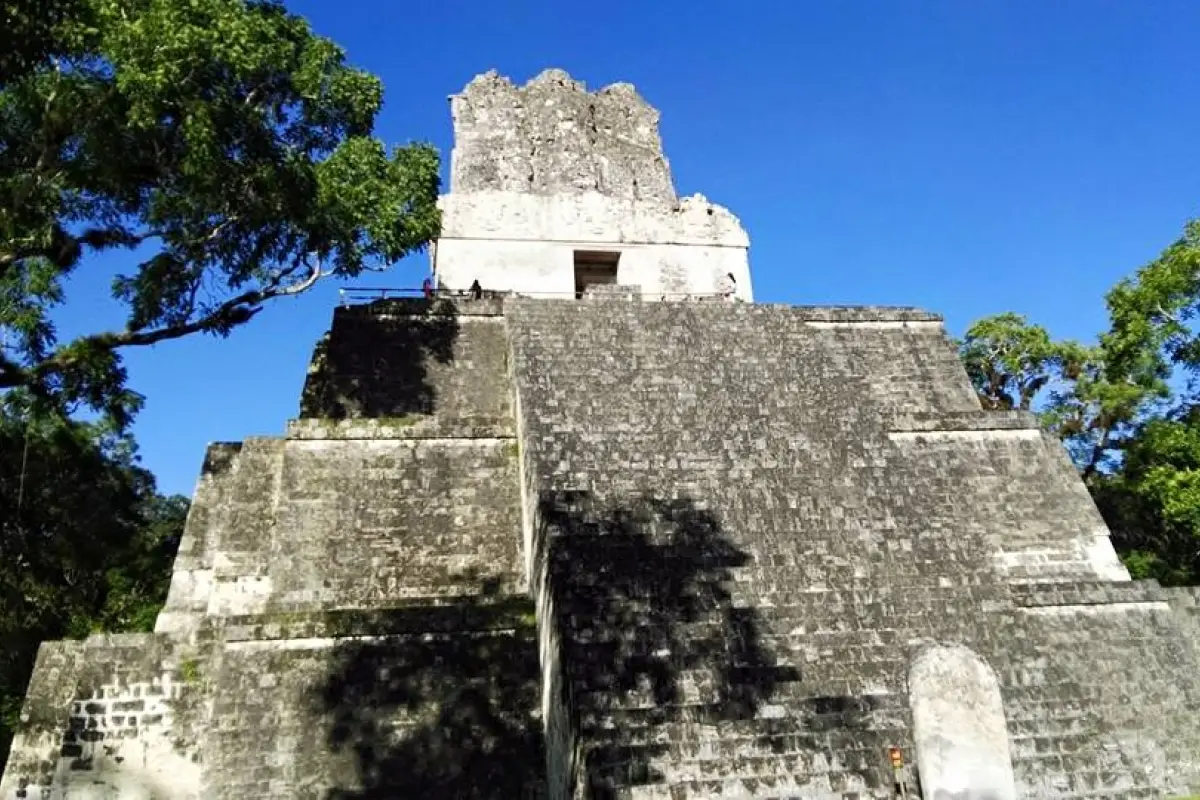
(965,157)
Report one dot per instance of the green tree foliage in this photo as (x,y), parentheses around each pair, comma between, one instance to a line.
(1152,503)
(220,141)
(86,541)
(227,150)
(1153,311)
(1135,440)
(1011,361)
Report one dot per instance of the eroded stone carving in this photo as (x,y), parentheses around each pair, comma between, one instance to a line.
(959,727)
(541,170)
(552,136)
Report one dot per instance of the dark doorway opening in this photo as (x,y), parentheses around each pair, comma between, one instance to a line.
(594,268)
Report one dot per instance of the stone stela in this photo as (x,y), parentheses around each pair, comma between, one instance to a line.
(598,545)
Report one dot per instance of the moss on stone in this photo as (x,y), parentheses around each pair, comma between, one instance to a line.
(406,421)
(189,670)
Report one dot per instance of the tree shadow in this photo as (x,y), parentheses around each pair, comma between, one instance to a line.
(376,359)
(447,709)
(650,635)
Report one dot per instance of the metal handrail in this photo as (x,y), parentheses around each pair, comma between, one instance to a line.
(349,294)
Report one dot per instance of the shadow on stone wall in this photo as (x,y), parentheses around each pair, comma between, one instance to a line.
(450,712)
(374,362)
(642,595)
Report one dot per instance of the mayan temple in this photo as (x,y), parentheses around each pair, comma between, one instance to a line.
(615,530)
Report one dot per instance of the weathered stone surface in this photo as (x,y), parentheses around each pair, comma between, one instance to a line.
(958,723)
(542,171)
(627,548)
(345,618)
(412,362)
(741,526)
(778,510)
(112,716)
(444,715)
(553,137)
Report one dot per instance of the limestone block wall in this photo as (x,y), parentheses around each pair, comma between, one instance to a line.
(588,217)
(424,517)
(346,618)
(218,565)
(193,573)
(748,521)
(418,701)
(1015,488)
(112,716)
(689,550)
(1101,693)
(415,363)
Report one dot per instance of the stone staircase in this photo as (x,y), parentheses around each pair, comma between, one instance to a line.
(723,671)
(695,555)
(751,519)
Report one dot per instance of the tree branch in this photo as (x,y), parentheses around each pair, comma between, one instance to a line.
(235,311)
(11,374)
(1166,315)
(95,238)
(1097,453)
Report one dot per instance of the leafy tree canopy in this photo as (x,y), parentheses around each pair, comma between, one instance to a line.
(1130,425)
(1152,503)
(1153,311)
(1010,360)
(220,139)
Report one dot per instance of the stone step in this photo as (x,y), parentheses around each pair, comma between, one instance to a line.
(696,740)
(771,769)
(683,695)
(760,757)
(774,658)
(1130,793)
(1049,742)
(772,788)
(740,631)
(622,627)
(808,765)
(365,595)
(1060,723)
(776,589)
(1063,699)
(682,750)
(732,686)
(780,590)
(1086,593)
(790,713)
(450,615)
(834,553)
